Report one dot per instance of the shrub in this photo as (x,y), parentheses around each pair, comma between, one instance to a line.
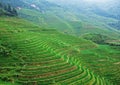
(5,52)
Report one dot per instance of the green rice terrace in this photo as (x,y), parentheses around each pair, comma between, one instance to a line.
(30,55)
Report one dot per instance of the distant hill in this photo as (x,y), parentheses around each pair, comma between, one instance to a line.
(70,19)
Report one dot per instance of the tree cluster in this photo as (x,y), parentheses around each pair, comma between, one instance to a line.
(6,9)
(5,52)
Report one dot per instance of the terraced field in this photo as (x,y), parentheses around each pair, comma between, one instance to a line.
(45,57)
(40,64)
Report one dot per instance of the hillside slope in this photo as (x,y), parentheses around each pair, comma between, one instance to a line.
(68,20)
(33,55)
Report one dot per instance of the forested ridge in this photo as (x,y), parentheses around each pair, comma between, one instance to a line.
(8,10)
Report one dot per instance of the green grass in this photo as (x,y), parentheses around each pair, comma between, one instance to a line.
(42,56)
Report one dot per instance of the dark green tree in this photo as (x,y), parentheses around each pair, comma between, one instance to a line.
(9,8)
(14,12)
(1,6)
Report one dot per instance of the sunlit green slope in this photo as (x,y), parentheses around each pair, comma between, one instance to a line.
(33,55)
